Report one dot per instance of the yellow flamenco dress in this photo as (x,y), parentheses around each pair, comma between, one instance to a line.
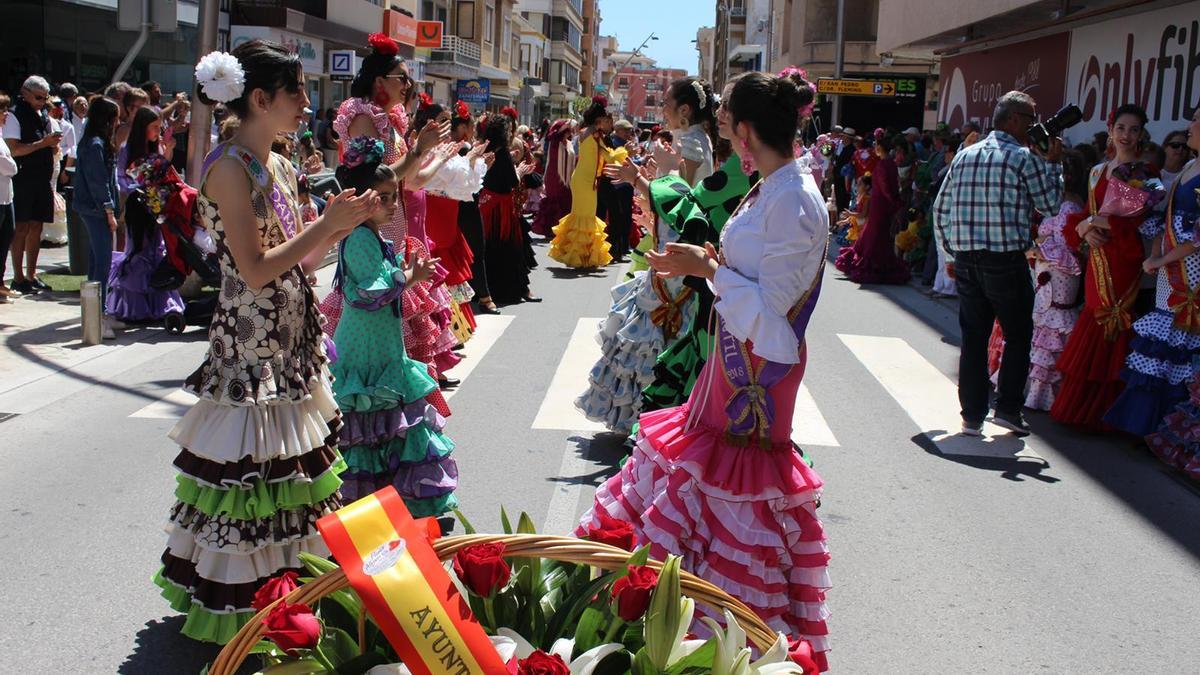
(579,238)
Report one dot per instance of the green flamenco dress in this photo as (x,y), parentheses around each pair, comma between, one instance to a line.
(391,434)
(697,215)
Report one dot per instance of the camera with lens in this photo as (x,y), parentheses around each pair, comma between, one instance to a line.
(1041,133)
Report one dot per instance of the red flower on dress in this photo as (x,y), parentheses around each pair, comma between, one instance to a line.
(383,44)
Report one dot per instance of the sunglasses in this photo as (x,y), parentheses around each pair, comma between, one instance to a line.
(402,77)
(1175,145)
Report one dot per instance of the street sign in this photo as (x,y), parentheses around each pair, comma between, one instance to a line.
(826,85)
(429,34)
(341,64)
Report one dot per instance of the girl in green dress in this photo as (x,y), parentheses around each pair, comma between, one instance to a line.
(392,434)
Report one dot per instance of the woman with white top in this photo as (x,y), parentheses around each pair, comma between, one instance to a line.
(717,480)
(8,217)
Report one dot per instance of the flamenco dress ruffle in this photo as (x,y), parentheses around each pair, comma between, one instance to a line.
(130,296)
(257,466)
(1052,324)
(1177,439)
(740,515)
(1159,367)
(393,430)
(580,241)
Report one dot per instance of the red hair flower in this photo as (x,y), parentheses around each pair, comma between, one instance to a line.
(462,111)
(426,99)
(383,44)
(509,111)
(601,100)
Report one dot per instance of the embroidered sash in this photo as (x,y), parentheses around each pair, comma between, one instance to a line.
(1114,313)
(1184,300)
(669,314)
(281,200)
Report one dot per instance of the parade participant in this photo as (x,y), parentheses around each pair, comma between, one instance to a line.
(1166,344)
(504,233)
(258,465)
(1092,360)
(392,433)
(145,138)
(850,225)
(698,215)
(717,480)
(95,196)
(579,238)
(987,230)
(1056,273)
(449,201)
(379,92)
(556,201)
(8,169)
(872,258)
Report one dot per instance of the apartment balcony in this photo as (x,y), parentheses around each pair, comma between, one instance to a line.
(458,58)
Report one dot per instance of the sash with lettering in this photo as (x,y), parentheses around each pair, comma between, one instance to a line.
(750,408)
(281,200)
(1184,300)
(388,559)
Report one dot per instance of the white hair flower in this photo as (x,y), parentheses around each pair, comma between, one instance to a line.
(221,76)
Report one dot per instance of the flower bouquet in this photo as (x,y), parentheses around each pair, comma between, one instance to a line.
(1132,190)
(549,606)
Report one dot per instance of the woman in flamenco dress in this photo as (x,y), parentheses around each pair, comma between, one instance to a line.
(716,480)
(504,245)
(392,433)
(579,237)
(1167,339)
(257,465)
(871,259)
(556,201)
(1095,353)
(380,91)
(649,313)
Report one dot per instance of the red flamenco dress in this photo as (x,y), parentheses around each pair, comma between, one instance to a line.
(717,480)
(871,258)
(1091,362)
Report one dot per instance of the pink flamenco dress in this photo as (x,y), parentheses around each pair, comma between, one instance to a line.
(556,200)
(871,259)
(428,336)
(717,480)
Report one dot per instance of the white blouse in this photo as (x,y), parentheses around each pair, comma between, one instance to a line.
(693,144)
(773,250)
(457,179)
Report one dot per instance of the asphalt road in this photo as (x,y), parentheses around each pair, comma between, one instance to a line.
(1062,554)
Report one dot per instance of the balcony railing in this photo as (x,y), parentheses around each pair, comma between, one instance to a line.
(457,50)
(737,12)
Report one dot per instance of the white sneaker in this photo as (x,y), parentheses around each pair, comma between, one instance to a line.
(114,322)
(106,331)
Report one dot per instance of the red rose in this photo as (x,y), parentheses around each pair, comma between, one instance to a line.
(482,569)
(274,589)
(612,531)
(541,663)
(292,627)
(800,652)
(632,592)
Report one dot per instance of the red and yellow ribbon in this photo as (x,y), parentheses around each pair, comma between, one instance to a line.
(388,559)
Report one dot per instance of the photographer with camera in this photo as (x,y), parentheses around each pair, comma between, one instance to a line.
(982,217)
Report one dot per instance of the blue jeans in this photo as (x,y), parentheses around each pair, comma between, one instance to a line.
(100,249)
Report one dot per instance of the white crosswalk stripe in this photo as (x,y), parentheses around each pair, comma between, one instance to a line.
(487,333)
(558,409)
(929,398)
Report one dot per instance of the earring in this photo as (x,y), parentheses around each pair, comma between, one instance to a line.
(747,158)
(381,98)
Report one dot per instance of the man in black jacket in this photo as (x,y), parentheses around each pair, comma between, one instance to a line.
(843,154)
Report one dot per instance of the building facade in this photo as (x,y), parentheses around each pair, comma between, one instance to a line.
(642,86)
(705,47)
(589,76)
(1094,54)
(562,21)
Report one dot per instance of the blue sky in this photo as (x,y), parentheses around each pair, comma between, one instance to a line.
(673,21)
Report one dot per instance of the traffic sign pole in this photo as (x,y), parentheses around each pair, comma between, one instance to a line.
(839,62)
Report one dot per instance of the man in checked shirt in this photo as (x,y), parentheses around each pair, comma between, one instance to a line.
(982,216)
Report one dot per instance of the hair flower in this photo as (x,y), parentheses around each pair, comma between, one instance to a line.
(362,150)
(509,111)
(601,100)
(425,100)
(462,110)
(221,76)
(383,44)
(699,89)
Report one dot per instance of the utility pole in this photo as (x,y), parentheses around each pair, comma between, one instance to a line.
(198,133)
(839,62)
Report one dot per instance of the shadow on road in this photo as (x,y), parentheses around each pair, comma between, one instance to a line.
(999,454)
(604,449)
(160,648)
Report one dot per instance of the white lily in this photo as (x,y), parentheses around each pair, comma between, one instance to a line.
(563,648)
(733,656)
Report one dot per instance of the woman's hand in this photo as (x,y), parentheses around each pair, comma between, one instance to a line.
(649,169)
(478,150)
(525,169)
(112,221)
(1151,265)
(346,210)
(419,269)
(431,136)
(684,260)
(625,172)
(489,158)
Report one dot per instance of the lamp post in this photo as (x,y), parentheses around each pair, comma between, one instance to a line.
(634,53)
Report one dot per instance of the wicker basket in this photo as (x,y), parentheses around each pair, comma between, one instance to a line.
(564,549)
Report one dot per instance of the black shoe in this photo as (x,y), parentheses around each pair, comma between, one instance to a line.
(531,298)
(25,287)
(457,348)
(39,284)
(448,382)
(1014,422)
(481,308)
